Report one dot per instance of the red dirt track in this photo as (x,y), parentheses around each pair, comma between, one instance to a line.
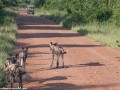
(88,64)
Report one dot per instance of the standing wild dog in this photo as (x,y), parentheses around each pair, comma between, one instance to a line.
(57,51)
(15,71)
(12,59)
(23,56)
(118,43)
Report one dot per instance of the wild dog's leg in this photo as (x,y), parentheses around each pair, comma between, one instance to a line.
(58,56)
(53,55)
(24,62)
(25,59)
(20,82)
(7,78)
(11,81)
(62,59)
(20,61)
(14,78)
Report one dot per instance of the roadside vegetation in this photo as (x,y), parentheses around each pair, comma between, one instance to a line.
(97,19)
(8,29)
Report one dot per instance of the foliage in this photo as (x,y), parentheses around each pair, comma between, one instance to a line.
(39,3)
(15,3)
(8,29)
(1,5)
(84,11)
(9,2)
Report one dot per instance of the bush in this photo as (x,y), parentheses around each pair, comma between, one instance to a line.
(8,29)
(82,11)
(104,15)
(1,5)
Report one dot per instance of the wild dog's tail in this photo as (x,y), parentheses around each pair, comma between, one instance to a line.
(63,51)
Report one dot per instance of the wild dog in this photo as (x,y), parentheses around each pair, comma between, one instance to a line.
(15,71)
(118,43)
(12,59)
(57,51)
(23,56)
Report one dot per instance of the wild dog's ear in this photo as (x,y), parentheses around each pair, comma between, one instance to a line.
(51,43)
(22,47)
(117,41)
(27,48)
(55,44)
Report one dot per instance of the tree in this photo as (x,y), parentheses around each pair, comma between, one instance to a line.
(39,3)
(1,5)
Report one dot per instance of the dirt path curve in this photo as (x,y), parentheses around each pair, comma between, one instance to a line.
(88,65)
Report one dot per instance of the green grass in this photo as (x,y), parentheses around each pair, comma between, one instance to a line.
(107,34)
(8,29)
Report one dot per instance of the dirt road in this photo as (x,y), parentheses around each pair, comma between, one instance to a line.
(88,65)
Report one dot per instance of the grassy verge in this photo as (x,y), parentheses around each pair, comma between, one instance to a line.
(105,33)
(8,29)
